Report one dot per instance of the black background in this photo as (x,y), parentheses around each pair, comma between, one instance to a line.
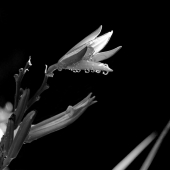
(131,100)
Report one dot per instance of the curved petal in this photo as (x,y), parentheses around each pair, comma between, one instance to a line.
(105,55)
(4,115)
(85,56)
(99,43)
(74,56)
(90,37)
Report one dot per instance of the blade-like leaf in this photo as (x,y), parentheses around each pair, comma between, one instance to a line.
(9,134)
(21,107)
(20,137)
(134,153)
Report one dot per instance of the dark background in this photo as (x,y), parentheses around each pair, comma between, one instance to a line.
(132,100)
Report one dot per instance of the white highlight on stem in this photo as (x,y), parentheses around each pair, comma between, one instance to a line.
(134,153)
(155,148)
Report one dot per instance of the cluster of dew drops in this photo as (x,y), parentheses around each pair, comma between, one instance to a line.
(92,71)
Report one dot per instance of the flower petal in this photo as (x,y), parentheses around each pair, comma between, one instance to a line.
(99,43)
(73,57)
(105,55)
(90,37)
(4,115)
(85,56)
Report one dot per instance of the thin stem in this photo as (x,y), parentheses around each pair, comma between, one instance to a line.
(18,79)
(36,97)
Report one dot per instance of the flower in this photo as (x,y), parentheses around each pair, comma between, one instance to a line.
(5,113)
(59,121)
(85,55)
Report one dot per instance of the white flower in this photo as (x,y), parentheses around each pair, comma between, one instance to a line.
(5,114)
(86,54)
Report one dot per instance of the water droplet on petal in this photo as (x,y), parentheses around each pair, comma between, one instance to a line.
(21,69)
(98,71)
(78,70)
(105,72)
(59,69)
(87,71)
(106,65)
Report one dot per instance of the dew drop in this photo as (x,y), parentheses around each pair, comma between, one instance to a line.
(87,71)
(106,65)
(78,71)
(98,71)
(59,69)
(21,69)
(75,70)
(105,72)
